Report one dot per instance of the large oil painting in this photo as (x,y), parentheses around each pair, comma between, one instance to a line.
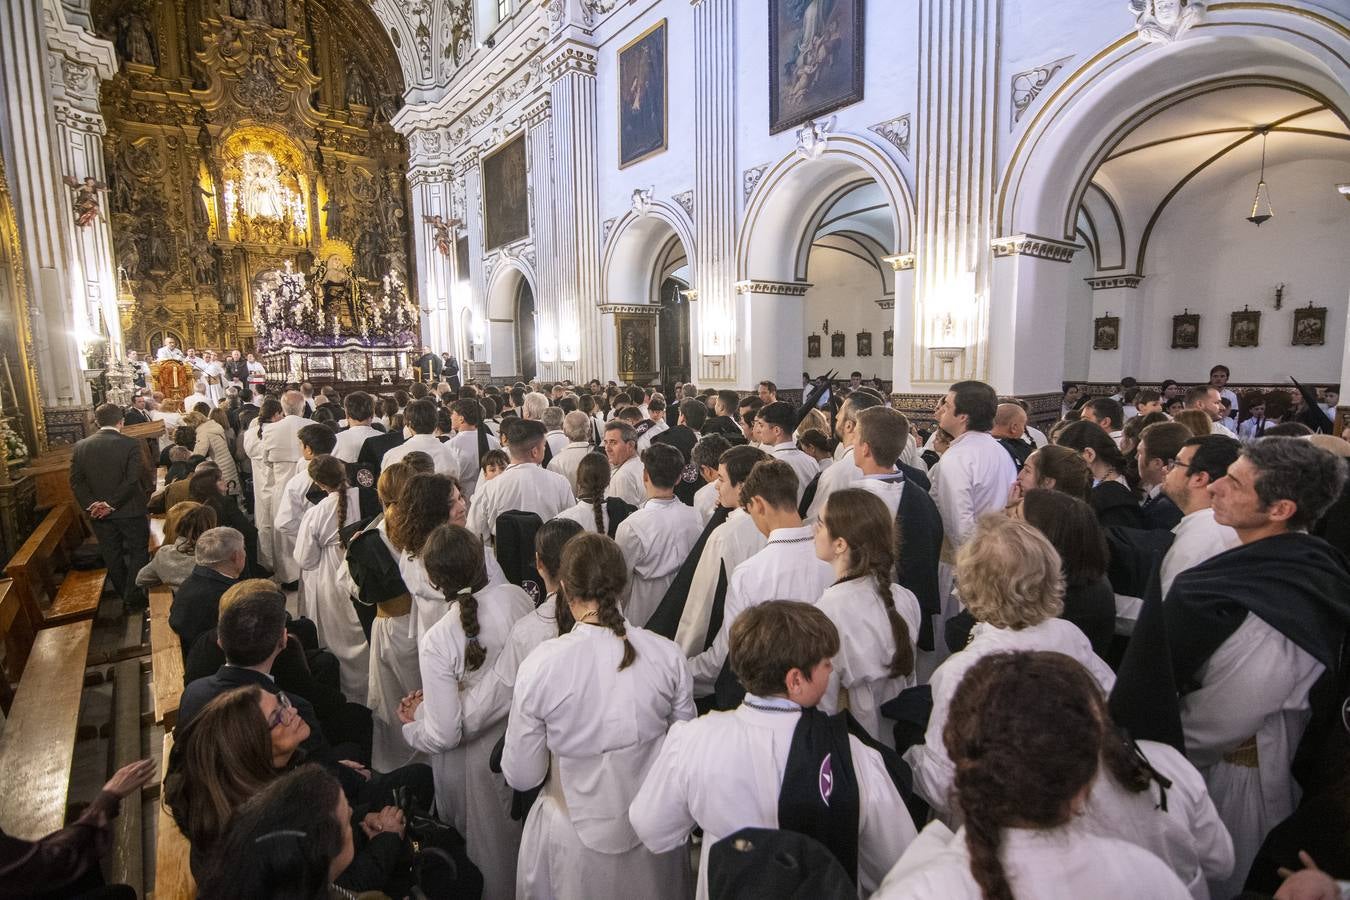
(506,213)
(815,59)
(642,96)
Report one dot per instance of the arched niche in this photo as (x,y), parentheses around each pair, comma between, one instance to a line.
(510,276)
(632,251)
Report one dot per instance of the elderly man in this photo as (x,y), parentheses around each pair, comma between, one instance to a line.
(1010,427)
(576,427)
(169,350)
(552,417)
(625,482)
(220,560)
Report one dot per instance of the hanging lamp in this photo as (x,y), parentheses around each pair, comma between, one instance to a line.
(1261,209)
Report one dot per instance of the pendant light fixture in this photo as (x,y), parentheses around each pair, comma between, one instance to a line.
(1261,209)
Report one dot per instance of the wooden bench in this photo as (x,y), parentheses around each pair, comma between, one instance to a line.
(38,743)
(127,863)
(42,557)
(17,636)
(173,864)
(166,659)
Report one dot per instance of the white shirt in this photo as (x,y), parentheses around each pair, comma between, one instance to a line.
(583,513)
(598,726)
(566,461)
(1198,537)
(1038,438)
(866,647)
(349,442)
(193,399)
(730,544)
(837,477)
(442,454)
(523,486)
(164,353)
(1066,863)
(281,447)
(556,441)
(705,502)
(655,542)
(786,569)
(972,479)
(465,445)
(489,699)
(1247,430)
(1219,427)
(291,504)
(625,482)
(933,769)
(257,374)
(724,771)
(429,604)
(805,467)
(645,440)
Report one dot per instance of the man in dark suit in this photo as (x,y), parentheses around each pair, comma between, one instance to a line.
(1155,456)
(236,369)
(220,561)
(373,450)
(430,365)
(136,414)
(111,482)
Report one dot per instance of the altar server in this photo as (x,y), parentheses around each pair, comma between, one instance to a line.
(360,409)
(294,498)
(1010,579)
(263,492)
(525,485)
(620,445)
(786,569)
(578,428)
(419,417)
(281,458)
(591,510)
(844,471)
(590,711)
(656,539)
(704,458)
(319,551)
(453,655)
(760,765)
(878,621)
(775,423)
(1025,756)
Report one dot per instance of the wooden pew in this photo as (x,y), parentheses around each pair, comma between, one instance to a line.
(173,869)
(50,471)
(38,742)
(166,659)
(127,863)
(35,566)
(17,636)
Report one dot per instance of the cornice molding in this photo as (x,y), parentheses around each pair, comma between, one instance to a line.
(902,263)
(773,288)
(630,309)
(1035,246)
(572,58)
(1114,281)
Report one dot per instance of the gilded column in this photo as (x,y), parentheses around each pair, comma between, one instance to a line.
(715,186)
(955,132)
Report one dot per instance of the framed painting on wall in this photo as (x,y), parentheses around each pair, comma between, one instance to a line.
(1106,333)
(462,258)
(643,120)
(813,346)
(837,344)
(888,342)
(1186,331)
(815,59)
(1244,330)
(1310,326)
(864,343)
(506,212)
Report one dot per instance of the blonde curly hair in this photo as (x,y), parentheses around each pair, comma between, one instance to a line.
(1009,574)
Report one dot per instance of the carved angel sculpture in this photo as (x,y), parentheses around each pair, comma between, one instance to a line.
(86,203)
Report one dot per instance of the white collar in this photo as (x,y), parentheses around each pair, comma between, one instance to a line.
(792,535)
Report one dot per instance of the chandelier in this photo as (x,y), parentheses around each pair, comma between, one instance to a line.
(1261,209)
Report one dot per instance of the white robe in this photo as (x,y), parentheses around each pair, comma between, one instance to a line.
(1188,836)
(724,771)
(281,459)
(838,476)
(866,646)
(1197,538)
(489,699)
(1066,863)
(468,795)
(932,768)
(257,373)
(566,461)
(164,353)
(214,392)
(786,569)
(523,486)
(1255,684)
(349,442)
(594,730)
(655,542)
(428,605)
(442,454)
(290,506)
(645,440)
(263,508)
(556,441)
(705,502)
(805,467)
(972,479)
(583,513)
(320,554)
(625,482)
(465,444)
(731,543)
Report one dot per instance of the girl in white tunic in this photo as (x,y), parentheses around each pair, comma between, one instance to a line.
(590,713)
(1026,739)
(427,502)
(877,620)
(592,481)
(1010,579)
(319,551)
(264,491)
(453,655)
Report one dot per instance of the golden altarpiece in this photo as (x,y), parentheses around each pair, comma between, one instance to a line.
(246,138)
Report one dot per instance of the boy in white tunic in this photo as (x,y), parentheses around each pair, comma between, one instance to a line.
(525,485)
(776,422)
(726,771)
(420,418)
(620,445)
(281,459)
(590,712)
(294,499)
(360,408)
(786,569)
(472,440)
(656,539)
(844,470)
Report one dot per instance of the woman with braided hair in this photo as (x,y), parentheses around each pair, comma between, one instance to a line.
(592,480)
(597,702)
(877,619)
(320,550)
(1026,737)
(454,655)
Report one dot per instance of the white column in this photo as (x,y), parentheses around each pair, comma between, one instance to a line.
(431,196)
(714,317)
(473,222)
(775,320)
(556,347)
(902,323)
(1028,313)
(956,128)
(1118,295)
(576,206)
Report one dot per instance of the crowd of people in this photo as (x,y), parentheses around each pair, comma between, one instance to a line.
(582,641)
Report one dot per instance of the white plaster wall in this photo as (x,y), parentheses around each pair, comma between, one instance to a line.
(1078,318)
(844,289)
(1204,255)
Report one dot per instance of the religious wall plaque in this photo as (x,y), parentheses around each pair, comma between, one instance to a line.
(1106,333)
(1186,331)
(813,346)
(1310,326)
(888,342)
(864,343)
(1244,329)
(837,344)
(643,119)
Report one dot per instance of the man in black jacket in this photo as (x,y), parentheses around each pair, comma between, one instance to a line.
(693,414)
(236,369)
(430,365)
(220,561)
(111,482)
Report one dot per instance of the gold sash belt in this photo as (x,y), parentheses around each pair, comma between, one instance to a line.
(392,609)
(1244,755)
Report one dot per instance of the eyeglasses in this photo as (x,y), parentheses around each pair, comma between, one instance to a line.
(1175,463)
(279,714)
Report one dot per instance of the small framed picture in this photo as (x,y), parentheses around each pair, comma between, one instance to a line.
(864,343)
(1245,329)
(813,346)
(1186,331)
(837,344)
(1106,333)
(1310,326)
(888,342)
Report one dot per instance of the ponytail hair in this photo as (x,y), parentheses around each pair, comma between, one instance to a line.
(549,542)
(592,480)
(593,569)
(863,521)
(270,407)
(453,556)
(330,473)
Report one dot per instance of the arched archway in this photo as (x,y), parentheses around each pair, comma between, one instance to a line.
(512,340)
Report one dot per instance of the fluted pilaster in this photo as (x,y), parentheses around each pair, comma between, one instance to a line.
(431,189)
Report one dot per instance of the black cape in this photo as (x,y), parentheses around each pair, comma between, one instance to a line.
(665,621)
